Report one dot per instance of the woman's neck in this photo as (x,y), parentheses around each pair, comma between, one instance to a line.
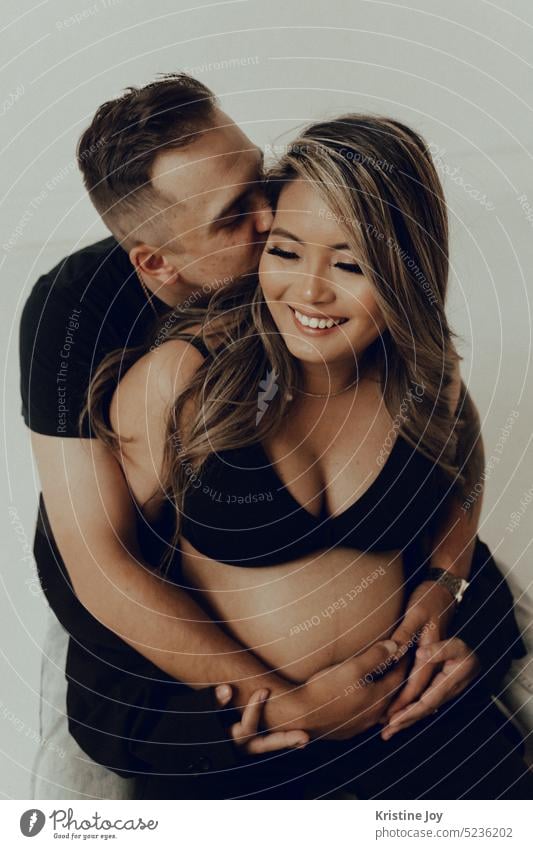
(320,379)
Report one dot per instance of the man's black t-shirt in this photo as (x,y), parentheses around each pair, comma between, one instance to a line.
(124,711)
(90,304)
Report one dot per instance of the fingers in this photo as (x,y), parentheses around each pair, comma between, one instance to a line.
(262,743)
(406,633)
(375,658)
(419,677)
(414,713)
(404,636)
(452,649)
(246,732)
(388,687)
(251,715)
(417,682)
(447,684)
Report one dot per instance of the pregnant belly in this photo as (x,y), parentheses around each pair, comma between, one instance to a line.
(302,616)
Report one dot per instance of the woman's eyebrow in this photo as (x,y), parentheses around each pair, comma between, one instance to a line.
(280,231)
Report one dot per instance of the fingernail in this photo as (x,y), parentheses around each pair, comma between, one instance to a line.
(223,691)
(422,653)
(263,694)
(390,645)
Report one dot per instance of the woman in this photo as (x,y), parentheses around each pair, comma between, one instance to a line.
(296,441)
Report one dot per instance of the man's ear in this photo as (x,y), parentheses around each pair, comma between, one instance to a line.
(155,264)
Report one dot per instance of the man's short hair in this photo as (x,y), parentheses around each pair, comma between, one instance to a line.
(116,153)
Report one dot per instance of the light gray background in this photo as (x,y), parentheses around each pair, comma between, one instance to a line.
(461,73)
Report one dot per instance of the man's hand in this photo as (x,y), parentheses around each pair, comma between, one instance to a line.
(349,697)
(246,733)
(459,667)
(429,612)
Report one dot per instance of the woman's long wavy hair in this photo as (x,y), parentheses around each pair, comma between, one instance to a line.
(377,178)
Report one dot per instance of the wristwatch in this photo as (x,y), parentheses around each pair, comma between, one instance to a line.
(453,583)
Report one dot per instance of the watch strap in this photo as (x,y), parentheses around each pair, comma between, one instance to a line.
(455,584)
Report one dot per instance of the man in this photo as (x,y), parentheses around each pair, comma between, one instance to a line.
(179,186)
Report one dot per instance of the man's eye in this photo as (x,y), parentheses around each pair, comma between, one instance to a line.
(232,221)
(349,266)
(240,211)
(275,251)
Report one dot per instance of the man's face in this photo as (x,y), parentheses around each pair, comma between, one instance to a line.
(218,212)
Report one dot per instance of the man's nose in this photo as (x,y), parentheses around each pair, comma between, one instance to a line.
(263,218)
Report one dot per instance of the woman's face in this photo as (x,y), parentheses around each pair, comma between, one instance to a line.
(318,296)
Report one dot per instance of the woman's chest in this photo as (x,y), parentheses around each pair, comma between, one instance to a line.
(328,460)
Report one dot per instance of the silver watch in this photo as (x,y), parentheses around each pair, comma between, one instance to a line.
(453,583)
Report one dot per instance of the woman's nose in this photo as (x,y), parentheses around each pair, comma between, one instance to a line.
(315,288)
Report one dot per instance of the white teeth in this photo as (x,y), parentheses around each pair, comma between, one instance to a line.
(316,323)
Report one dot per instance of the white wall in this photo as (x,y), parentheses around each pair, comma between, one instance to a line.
(461,73)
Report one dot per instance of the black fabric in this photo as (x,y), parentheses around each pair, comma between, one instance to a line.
(271,527)
(90,304)
(466,751)
(485,620)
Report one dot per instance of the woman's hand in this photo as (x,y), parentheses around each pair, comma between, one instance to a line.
(459,667)
(246,733)
(429,612)
(350,697)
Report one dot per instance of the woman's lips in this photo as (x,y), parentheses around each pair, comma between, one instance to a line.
(315,325)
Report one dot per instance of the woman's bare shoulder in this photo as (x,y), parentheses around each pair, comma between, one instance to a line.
(149,387)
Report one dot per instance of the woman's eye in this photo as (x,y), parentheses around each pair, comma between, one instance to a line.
(349,266)
(275,251)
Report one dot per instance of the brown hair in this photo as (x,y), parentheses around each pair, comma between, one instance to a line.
(377,176)
(117,151)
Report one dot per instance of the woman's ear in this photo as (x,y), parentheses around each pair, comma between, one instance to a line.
(155,264)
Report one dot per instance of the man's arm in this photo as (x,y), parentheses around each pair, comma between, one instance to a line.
(454,537)
(455,546)
(93,520)
(451,538)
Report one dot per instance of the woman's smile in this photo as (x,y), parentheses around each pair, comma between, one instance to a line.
(315,324)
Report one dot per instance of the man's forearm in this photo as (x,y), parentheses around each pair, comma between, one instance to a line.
(453,543)
(162,622)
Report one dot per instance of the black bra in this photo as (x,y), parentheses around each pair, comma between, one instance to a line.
(238,511)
